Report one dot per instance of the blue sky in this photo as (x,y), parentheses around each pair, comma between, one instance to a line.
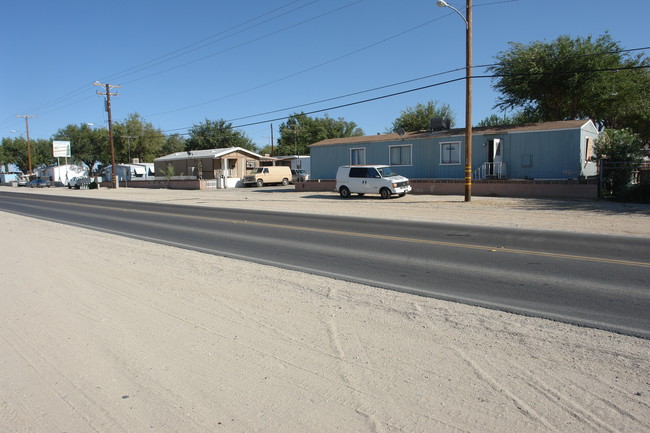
(179,63)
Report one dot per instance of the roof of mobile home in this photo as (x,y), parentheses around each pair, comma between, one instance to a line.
(487,130)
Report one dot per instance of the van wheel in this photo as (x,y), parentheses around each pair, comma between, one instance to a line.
(345,192)
(285,182)
(385,193)
(260,182)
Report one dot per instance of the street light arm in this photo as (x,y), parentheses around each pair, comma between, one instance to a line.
(444,4)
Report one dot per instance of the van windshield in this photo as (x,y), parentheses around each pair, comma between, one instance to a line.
(256,170)
(386,172)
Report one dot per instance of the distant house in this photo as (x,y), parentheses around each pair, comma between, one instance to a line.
(61,173)
(129,172)
(296,162)
(548,151)
(231,163)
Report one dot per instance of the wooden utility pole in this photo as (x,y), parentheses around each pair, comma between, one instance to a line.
(272,139)
(468,91)
(468,103)
(29,150)
(108,95)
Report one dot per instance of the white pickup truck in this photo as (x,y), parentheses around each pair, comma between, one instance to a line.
(77,182)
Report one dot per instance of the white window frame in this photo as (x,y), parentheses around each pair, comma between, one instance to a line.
(390,160)
(442,151)
(363,153)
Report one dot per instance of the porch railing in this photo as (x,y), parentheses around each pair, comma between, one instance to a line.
(491,170)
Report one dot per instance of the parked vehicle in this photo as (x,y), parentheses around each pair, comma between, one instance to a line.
(370,179)
(268,175)
(39,183)
(299,175)
(76,182)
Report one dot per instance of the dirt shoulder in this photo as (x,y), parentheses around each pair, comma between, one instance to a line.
(123,335)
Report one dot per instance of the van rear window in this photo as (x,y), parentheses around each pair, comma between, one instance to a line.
(358,172)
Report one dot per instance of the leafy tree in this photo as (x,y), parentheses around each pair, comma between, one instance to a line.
(495,120)
(14,151)
(87,145)
(620,146)
(300,131)
(173,143)
(217,135)
(136,138)
(4,157)
(266,150)
(418,118)
(41,152)
(516,119)
(559,80)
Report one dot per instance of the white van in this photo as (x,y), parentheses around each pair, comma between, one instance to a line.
(370,179)
(265,175)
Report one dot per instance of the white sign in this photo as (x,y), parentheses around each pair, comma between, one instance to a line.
(61,149)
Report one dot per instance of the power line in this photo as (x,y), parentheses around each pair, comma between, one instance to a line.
(250,41)
(419,88)
(448,82)
(186,50)
(311,68)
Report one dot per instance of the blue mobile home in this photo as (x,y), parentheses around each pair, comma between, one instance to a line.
(544,151)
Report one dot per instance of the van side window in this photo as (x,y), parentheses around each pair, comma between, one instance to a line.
(358,172)
(266,170)
(373,173)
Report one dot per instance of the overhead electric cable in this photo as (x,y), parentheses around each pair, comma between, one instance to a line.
(336,107)
(184,51)
(273,33)
(351,53)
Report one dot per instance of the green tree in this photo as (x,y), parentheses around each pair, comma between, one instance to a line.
(300,131)
(217,134)
(137,138)
(14,151)
(173,143)
(5,158)
(619,145)
(41,149)
(418,118)
(87,145)
(516,119)
(565,79)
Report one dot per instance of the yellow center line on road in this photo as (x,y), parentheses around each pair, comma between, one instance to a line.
(457,245)
(399,239)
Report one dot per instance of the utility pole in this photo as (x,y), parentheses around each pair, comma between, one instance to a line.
(108,95)
(468,91)
(272,139)
(468,103)
(29,150)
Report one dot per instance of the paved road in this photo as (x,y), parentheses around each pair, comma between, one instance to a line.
(590,280)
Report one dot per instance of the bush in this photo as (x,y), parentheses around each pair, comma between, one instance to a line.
(634,194)
(93,185)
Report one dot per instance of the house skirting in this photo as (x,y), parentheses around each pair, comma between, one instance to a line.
(574,189)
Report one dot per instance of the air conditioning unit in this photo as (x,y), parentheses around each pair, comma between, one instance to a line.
(440,123)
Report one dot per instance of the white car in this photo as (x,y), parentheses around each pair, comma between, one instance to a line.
(299,175)
(370,179)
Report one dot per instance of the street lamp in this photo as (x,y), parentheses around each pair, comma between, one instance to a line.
(468,92)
